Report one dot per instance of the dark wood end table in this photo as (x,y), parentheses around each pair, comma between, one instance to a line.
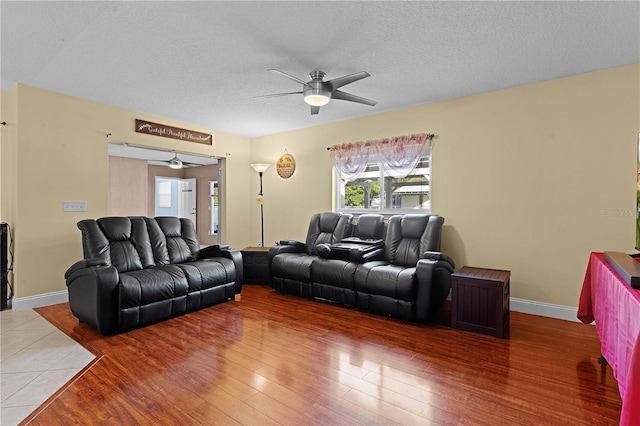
(480,300)
(254,265)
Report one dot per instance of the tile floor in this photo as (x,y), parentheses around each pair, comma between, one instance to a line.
(36,359)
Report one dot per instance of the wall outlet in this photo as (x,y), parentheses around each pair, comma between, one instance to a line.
(74,206)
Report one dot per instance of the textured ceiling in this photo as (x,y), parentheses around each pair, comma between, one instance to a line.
(204,62)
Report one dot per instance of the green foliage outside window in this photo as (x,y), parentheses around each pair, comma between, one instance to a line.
(354,193)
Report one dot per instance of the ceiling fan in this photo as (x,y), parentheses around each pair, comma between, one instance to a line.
(317,92)
(177,163)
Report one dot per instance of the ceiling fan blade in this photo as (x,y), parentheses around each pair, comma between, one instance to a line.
(315,109)
(338,94)
(296,79)
(275,95)
(190,164)
(336,83)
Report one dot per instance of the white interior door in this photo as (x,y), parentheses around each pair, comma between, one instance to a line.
(187,199)
(213,207)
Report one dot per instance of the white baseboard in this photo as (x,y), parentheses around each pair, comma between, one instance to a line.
(518,305)
(544,309)
(30,302)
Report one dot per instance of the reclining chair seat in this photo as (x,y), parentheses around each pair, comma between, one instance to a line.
(208,281)
(151,293)
(333,273)
(386,288)
(293,271)
(291,264)
(391,286)
(333,280)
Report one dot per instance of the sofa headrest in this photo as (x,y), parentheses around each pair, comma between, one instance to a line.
(171,226)
(115,228)
(328,221)
(413,225)
(370,226)
(179,239)
(119,241)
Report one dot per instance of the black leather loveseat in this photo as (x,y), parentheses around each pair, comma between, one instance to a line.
(404,276)
(140,270)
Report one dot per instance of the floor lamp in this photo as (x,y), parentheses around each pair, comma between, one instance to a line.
(261,168)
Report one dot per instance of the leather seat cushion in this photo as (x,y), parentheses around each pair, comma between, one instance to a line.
(332,279)
(338,273)
(146,286)
(380,278)
(294,266)
(208,273)
(210,281)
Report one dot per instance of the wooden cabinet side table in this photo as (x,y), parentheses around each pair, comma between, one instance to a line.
(254,265)
(480,301)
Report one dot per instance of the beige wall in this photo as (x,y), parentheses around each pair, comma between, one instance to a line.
(128,188)
(61,155)
(8,155)
(529,179)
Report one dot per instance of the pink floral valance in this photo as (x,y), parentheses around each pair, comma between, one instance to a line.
(398,155)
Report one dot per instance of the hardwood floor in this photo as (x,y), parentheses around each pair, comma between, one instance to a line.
(270,358)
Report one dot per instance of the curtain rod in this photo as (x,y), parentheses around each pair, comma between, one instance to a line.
(174,151)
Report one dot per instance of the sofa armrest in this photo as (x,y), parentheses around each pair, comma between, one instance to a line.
(293,243)
(361,257)
(236,257)
(85,263)
(93,294)
(286,248)
(278,249)
(436,255)
(223,250)
(433,285)
(211,251)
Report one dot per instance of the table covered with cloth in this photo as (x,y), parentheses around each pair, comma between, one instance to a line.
(615,307)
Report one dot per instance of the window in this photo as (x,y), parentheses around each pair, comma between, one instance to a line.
(377,191)
(164,193)
(386,176)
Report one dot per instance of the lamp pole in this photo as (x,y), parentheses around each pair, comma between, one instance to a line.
(261,168)
(261,212)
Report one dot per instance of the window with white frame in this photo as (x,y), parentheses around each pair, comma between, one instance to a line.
(386,176)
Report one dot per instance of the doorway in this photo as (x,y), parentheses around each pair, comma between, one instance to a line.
(136,169)
(176,197)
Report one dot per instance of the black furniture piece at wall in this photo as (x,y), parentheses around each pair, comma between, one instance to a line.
(405,277)
(4,265)
(140,270)
(254,265)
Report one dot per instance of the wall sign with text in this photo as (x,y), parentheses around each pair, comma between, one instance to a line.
(286,165)
(156,129)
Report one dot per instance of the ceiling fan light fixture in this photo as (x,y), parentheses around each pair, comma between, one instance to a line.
(317,97)
(175,163)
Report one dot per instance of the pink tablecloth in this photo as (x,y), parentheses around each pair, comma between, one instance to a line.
(615,307)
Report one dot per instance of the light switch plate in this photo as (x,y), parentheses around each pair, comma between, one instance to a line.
(74,206)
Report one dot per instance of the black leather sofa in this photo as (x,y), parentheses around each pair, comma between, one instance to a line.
(393,269)
(140,270)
